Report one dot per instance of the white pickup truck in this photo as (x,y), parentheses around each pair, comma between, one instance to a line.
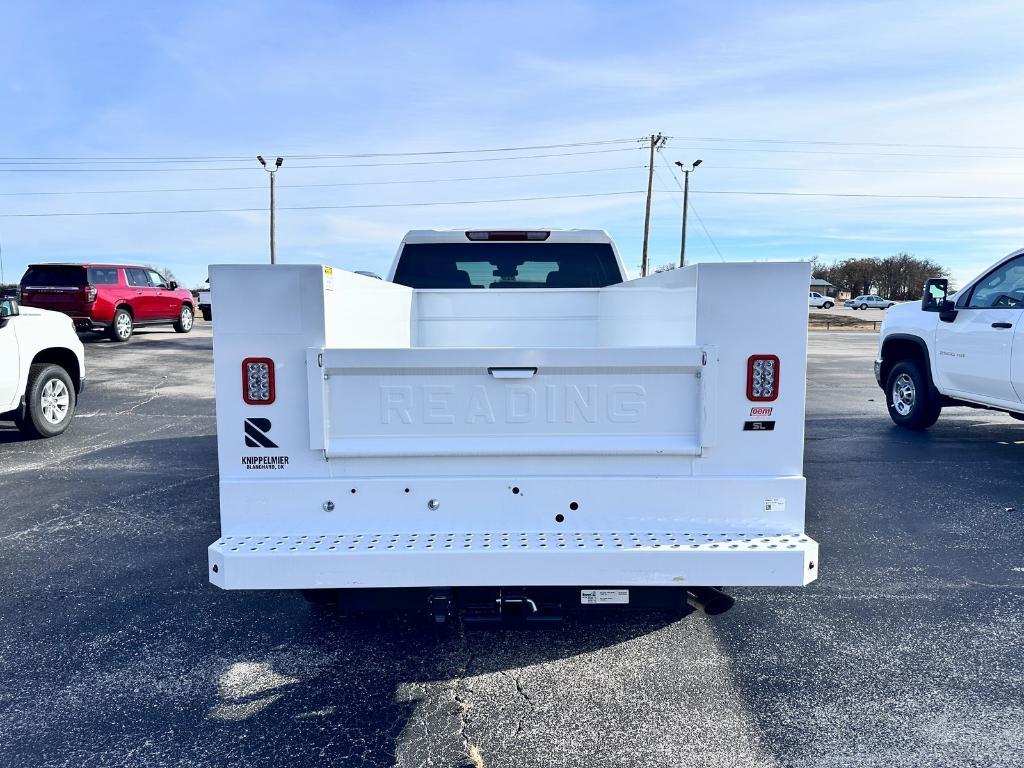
(506,426)
(965,348)
(42,369)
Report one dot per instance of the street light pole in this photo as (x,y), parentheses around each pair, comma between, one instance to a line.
(686,206)
(273,173)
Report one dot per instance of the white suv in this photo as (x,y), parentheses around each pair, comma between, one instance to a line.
(42,369)
(960,349)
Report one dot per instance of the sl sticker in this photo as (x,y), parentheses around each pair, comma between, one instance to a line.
(604,597)
(256,434)
(758,426)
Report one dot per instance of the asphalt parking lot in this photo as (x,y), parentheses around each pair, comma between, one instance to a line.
(117,652)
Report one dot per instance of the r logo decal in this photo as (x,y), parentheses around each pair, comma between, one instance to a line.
(256,434)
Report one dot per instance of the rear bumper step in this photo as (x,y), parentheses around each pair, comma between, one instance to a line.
(492,559)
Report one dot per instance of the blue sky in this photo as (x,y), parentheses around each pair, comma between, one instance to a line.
(191,79)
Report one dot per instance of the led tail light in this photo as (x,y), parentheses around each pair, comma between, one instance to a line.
(258,380)
(762,378)
(90,293)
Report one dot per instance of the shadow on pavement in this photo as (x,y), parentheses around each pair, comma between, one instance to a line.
(901,652)
(116,644)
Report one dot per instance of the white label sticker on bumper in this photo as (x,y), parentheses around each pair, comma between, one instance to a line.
(604,596)
(775,505)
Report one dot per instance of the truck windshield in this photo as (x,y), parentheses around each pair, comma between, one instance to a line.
(54,277)
(507,265)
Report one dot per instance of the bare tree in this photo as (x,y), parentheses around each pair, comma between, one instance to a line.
(899,277)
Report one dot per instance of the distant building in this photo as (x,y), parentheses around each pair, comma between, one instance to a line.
(823,287)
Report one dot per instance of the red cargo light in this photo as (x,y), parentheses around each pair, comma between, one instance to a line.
(509,236)
(762,378)
(258,380)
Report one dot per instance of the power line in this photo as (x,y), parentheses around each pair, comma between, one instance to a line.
(854,194)
(328,184)
(710,238)
(859,154)
(848,143)
(341,165)
(319,207)
(301,156)
(504,200)
(671,172)
(869,170)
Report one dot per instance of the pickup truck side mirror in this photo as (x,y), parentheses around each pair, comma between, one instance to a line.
(935,299)
(8,308)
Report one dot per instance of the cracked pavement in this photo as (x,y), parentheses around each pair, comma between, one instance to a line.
(116,651)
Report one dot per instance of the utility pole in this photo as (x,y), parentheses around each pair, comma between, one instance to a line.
(657,142)
(686,206)
(273,172)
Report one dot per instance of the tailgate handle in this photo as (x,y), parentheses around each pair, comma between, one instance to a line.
(512,373)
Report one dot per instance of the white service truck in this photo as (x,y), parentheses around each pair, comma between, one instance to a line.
(42,369)
(506,426)
(965,348)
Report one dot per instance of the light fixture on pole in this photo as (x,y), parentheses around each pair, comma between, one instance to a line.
(686,201)
(273,172)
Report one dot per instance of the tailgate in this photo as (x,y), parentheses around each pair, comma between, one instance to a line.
(510,402)
(57,298)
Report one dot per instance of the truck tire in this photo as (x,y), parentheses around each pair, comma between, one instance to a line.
(207,312)
(49,401)
(185,320)
(909,398)
(122,326)
(828,305)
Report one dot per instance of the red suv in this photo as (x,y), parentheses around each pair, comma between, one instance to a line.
(113,298)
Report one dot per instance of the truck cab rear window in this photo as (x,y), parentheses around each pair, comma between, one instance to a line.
(507,265)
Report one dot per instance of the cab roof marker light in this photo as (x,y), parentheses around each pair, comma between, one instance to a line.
(504,236)
(258,381)
(763,378)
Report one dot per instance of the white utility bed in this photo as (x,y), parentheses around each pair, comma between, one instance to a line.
(548,437)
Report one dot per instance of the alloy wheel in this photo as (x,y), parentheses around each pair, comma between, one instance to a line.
(56,400)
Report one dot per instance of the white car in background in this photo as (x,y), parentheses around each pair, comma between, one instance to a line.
(869,302)
(815,299)
(42,369)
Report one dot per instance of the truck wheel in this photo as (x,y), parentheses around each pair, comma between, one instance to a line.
(829,305)
(121,327)
(910,400)
(207,313)
(49,401)
(185,319)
